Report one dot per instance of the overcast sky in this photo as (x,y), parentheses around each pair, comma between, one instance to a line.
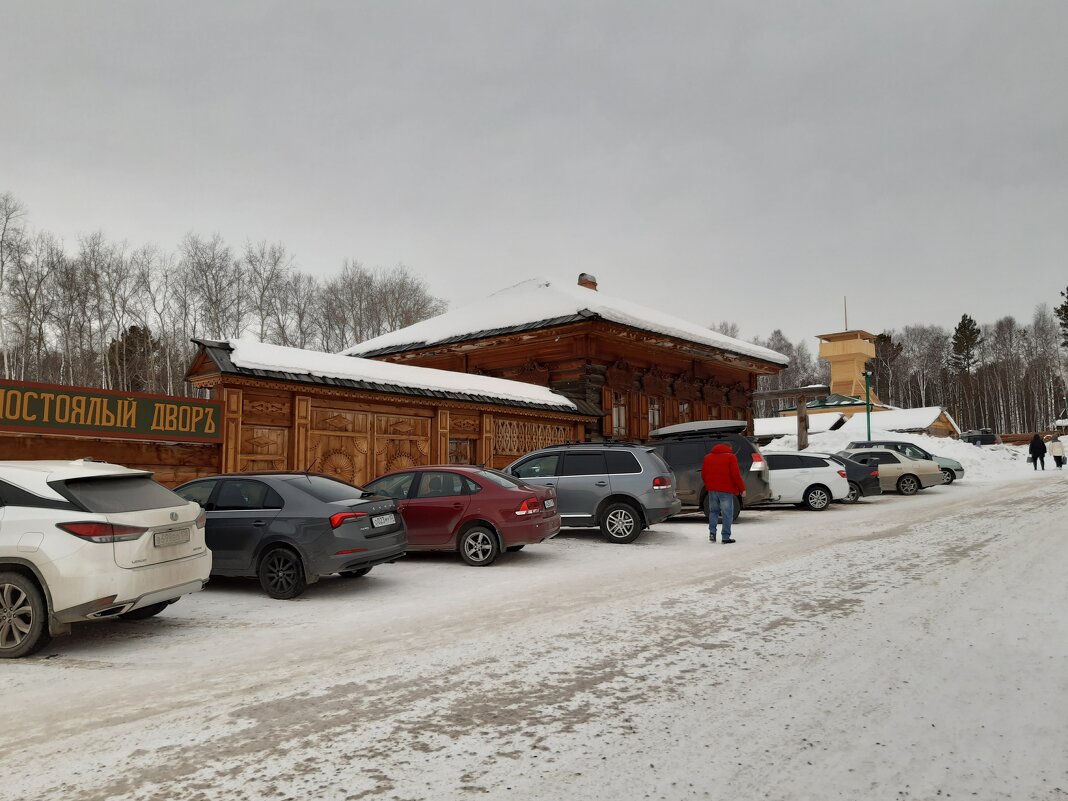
(744,161)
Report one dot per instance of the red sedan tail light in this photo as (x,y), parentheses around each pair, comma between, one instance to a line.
(528,507)
(95,531)
(875,472)
(341,518)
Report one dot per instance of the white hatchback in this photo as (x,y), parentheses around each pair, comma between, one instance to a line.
(806,479)
(88,540)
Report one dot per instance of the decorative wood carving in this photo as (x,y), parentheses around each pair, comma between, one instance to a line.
(516,437)
(534,372)
(463,424)
(339,444)
(266,408)
(654,382)
(400,442)
(713,393)
(738,395)
(685,389)
(620,375)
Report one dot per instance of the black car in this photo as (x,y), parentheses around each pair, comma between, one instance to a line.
(981,436)
(863,479)
(684,447)
(288,529)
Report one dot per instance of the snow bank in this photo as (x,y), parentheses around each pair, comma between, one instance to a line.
(538,299)
(260,356)
(992,463)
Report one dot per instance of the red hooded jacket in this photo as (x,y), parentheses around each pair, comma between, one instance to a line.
(720,471)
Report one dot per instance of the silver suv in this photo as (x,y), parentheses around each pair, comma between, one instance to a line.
(620,488)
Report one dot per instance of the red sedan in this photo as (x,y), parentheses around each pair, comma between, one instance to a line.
(475,511)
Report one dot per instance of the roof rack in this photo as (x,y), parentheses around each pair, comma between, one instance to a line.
(606,444)
(700,428)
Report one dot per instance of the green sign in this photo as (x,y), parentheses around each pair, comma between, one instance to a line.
(54,409)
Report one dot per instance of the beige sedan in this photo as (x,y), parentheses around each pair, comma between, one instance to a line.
(897,471)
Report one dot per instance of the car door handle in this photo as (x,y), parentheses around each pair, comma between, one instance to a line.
(258,523)
(457,506)
(601,484)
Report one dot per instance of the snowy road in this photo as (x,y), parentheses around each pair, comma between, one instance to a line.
(901,648)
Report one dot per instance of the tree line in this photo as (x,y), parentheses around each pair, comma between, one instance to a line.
(105,314)
(1005,375)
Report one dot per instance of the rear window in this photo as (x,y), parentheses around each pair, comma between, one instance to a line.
(324,489)
(621,462)
(812,461)
(114,494)
(500,479)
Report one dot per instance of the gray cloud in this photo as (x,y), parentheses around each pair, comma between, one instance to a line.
(731,160)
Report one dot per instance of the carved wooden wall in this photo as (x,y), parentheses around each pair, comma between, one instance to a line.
(401,442)
(339,443)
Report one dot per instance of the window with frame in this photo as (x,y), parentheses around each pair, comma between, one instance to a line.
(655,407)
(684,411)
(619,414)
(238,494)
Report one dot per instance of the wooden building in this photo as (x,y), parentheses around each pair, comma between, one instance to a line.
(291,409)
(638,369)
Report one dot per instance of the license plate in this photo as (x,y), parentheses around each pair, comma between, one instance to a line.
(550,503)
(383,520)
(164,539)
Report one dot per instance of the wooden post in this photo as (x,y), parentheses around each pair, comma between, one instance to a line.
(802,423)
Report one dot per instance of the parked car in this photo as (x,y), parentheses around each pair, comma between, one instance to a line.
(472,510)
(897,471)
(684,447)
(288,529)
(621,488)
(863,478)
(951,468)
(981,436)
(811,481)
(87,540)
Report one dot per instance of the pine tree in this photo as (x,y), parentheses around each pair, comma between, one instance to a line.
(966,341)
(1062,318)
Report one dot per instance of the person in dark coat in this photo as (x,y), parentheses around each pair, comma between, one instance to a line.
(723,480)
(1038,452)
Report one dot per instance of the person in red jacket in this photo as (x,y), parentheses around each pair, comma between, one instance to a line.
(723,480)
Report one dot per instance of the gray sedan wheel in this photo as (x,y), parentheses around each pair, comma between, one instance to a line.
(23,617)
(817,498)
(948,476)
(908,485)
(478,546)
(621,523)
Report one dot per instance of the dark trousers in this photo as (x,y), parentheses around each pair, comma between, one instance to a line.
(1059,461)
(1036,459)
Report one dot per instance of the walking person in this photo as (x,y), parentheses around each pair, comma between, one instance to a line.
(723,480)
(1038,452)
(1056,450)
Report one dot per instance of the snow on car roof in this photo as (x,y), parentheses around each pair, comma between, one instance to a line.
(277,358)
(539,302)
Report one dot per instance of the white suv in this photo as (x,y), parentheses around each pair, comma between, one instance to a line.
(88,540)
(806,479)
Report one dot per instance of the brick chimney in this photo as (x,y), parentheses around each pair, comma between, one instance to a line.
(588,281)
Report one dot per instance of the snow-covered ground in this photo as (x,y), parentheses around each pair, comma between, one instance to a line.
(899,648)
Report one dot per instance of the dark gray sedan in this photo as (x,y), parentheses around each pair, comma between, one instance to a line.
(288,529)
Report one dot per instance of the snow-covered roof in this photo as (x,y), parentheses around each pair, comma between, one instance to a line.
(1060,423)
(900,420)
(781,426)
(294,363)
(541,302)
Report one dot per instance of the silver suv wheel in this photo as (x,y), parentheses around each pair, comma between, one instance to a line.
(23,628)
(620,523)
